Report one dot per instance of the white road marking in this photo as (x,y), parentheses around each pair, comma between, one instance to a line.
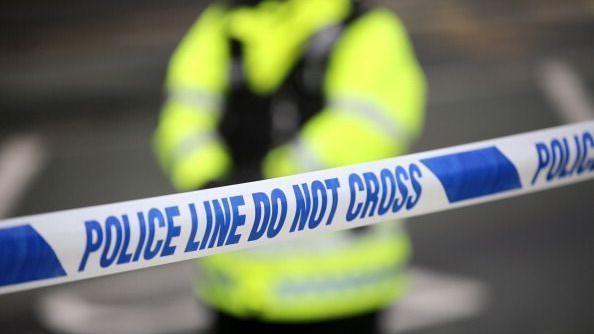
(435,298)
(565,89)
(149,301)
(22,158)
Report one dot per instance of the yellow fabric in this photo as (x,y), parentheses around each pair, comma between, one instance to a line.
(212,161)
(373,62)
(273,34)
(280,162)
(178,121)
(324,278)
(199,64)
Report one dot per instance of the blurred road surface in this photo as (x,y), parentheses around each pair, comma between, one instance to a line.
(85,79)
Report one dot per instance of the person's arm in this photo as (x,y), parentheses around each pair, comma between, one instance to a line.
(375,94)
(186,139)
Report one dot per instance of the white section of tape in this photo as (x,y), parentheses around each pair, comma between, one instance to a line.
(70,245)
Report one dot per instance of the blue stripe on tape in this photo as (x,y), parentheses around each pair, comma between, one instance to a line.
(25,256)
(474,174)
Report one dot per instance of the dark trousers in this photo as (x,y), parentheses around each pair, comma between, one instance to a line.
(367,323)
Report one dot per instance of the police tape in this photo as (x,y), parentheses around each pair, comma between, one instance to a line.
(65,246)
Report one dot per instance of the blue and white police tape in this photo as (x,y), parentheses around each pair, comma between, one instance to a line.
(70,245)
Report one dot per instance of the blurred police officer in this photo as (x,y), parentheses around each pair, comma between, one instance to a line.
(273,88)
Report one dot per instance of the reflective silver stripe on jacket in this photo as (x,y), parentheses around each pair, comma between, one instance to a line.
(204,101)
(191,143)
(374,113)
(339,283)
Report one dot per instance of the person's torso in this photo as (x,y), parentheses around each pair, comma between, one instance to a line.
(279,58)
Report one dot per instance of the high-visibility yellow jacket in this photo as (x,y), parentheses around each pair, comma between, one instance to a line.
(373,99)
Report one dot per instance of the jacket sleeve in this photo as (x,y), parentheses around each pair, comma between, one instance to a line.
(186,141)
(375,93)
